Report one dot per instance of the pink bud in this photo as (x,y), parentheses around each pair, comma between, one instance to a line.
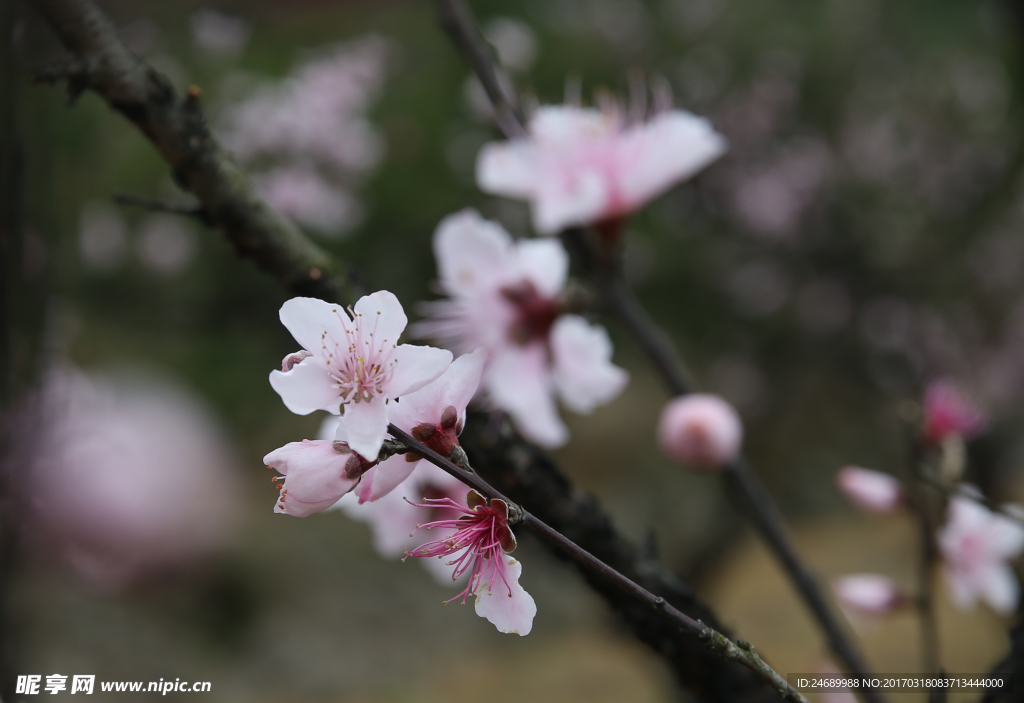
(868,593)
(870,490)
(701,430)
(947,411)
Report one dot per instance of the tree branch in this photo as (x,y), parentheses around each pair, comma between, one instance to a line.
(456,17)
(227,196)
(608,577)
(176,126)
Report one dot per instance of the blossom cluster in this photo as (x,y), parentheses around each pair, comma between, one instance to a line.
(309,137)
(976,544)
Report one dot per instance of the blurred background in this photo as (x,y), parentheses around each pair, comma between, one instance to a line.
(861,237)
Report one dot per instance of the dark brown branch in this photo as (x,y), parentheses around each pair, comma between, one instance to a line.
(928,555)
(456,17)
(176,126)
(608,577)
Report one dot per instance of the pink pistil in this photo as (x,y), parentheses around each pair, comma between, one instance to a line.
(481,535)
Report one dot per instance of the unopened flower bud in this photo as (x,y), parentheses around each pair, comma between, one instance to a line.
(449,417)
(869,490)
(947,411)
(290,361)
(423,432)
(869,593)
(701,430)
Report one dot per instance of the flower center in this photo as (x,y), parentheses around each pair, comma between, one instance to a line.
(535,314)
(360,365)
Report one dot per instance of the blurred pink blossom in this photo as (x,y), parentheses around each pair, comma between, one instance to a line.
(873,491)
(701,430)
(479,547)
(310,134)
(580,166)
(503,296)
(869,593)
(218,34)
(947,411)
(129,478)
(316,113)
(304,195)
(977,546)
(355,360)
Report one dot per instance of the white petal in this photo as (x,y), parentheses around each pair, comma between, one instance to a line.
(519,383)
(507,169)
(462,379)
(309,319)
(545,263)
(1005,536)
(367,426)
(455,387)
(471,252)
(510,612)
(414,368)
(382,316)
(306,387)
(584,374)
(961,590)
(654,156)
(569,195)
(1000,589)
(389,474)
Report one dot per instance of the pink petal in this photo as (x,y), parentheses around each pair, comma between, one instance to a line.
(471,253)
(455,387)
(367,426)
(315,475)
(584,375)
(869,593)
(670,148)
(462,379)
(519,382)
(873,491)
(414,368)
(511,614)
(307,387)
(308,319)
(383,317)
(386,477)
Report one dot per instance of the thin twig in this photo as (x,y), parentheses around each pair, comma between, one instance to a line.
(456,17)
(928,558)
(175,124)
(742,653)
(604,270)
